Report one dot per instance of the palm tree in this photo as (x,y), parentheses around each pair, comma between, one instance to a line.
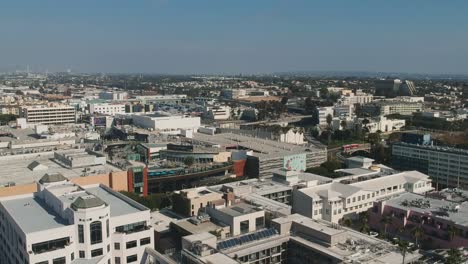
(403,247)
(364,228)
(452,232)
(417,232)
(386,220)
(454,257)
(329,127)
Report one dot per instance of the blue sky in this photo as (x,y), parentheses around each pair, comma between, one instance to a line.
(234,36)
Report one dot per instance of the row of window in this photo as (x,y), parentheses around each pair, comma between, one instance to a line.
(95,232)
(133,243)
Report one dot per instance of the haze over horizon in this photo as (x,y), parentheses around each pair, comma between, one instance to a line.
(216,37)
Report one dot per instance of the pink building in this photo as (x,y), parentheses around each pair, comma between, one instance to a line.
(444,223)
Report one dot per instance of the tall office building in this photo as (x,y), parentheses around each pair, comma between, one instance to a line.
(448,167)
(394,87)
(65,223)
(49,114)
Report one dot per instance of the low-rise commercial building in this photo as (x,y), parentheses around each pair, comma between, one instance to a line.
(163,121)
(355,193)
(49,114)
(444,224)
(107,108)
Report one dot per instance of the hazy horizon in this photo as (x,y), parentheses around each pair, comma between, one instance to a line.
(248,37)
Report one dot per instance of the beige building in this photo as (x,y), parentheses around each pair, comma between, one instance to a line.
(188,202)
(49,114)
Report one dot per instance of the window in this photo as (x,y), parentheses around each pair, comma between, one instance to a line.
(50,245)
(117,260)
(82,254)
(80,234)
(96,252)
(117,246)
(131,244)
(131,228)
(43,262)
(95,229)
(244,226)
(259,223)
(107,227)
(145,241)
(108,248)
(132,258)
(72,256)
(59,261)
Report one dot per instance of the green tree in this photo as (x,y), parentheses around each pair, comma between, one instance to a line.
(386,220)
(417,233)
(344,124)
(364,228)
(404,248)
(454,256)
(329,128)
(452,232)
(284,100)
(347,222)
(374,138)
(189,161)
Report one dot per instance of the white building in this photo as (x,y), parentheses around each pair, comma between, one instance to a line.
(166,122)
(323,112)
(49,114)
(356,98)
(66,223)
(385,125)
(347,196)
(106,108)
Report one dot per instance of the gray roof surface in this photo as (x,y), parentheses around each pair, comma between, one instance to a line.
(264,149)
(239,209)
(118,206)
(52,177)
(85,202)
(460,217)
(15,168)
(32,215)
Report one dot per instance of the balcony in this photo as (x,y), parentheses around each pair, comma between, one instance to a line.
(50,245)
(132,228)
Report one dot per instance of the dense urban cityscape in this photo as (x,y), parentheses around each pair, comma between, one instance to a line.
(165,132)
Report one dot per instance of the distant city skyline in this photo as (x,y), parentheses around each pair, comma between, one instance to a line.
(221,37)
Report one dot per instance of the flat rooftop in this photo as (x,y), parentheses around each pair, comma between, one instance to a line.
(202,227)
(446,149)
(119,204)
(15,168)
(33,215)
(260,187)
(451,211)
(356,246)
(239,209)
(262,148)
